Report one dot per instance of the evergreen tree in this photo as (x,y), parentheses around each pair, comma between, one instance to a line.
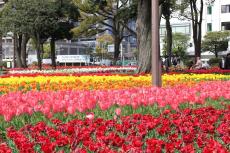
(99,16)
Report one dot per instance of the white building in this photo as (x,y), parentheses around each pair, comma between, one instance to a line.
(216,17)
(1,6)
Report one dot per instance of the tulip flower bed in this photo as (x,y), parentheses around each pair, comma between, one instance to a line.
(105,112)
(51,102)
(209,71)
(84,69)
(49,67)
(203,129)
(96,81)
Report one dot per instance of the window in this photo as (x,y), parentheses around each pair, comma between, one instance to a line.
(81,51)
(180,29)
(225,9)
(225,25)
(209,10)
(162,31)
(9,40)
(73,51)
(63,51)
(187,30)
(209,27)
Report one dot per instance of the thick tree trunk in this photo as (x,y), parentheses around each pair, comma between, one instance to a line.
(144,36)
(18,43)
(53,53)
(25,40)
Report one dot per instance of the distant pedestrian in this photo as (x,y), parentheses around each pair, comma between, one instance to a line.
(198,64)
(222,63)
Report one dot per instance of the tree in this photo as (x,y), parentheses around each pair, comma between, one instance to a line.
(180,44)
(67,14)
(47,51)
(105,15)
(13,19)
(29,18)
(43,20)
(168,7)
(102,45)
(195,14)
(216,42)
(144,35)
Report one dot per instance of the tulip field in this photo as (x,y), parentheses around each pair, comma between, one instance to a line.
(101,110)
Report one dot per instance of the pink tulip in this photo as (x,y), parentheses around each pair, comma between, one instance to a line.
(71,110)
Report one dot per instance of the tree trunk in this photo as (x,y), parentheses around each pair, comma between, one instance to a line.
(53,53)
(144,36)
(199,37)
(117,42)
(38,47)
(169,39)
(216,52)
(197,26)
(25,40)
(0,48)
(18,43)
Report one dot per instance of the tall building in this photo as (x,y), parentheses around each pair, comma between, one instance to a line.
(215,18)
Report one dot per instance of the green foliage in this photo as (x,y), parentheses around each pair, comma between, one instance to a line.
(47,50)
(67,14)
(215,41)
(168,7)
(188,63)
(214,61)
(28,16)
(2,63)
(184,7)
(179,45)
(95,14)
(106,15)
(67,10)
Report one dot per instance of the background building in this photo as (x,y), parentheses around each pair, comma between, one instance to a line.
(215,18)
(1,5)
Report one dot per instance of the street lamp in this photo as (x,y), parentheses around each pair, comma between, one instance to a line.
(156,62)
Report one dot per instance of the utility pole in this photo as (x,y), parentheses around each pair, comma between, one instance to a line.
(156,62)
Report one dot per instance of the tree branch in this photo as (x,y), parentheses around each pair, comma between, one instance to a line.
(106,24)
(123,3)
(129,29)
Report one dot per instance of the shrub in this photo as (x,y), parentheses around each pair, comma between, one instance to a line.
(188,63)
(3,64)
(214,61)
